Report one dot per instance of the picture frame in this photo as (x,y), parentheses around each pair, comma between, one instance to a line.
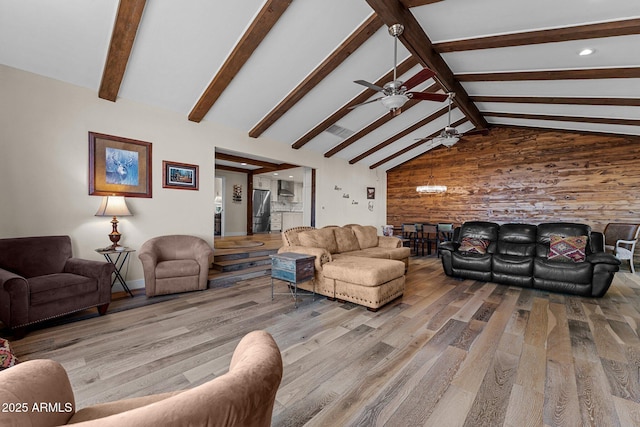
(119,166)
(371,192)
(181,176)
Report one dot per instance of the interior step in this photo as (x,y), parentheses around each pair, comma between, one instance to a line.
(244,255)
(240,264)
(219,279)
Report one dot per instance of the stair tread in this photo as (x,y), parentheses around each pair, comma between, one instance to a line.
(241,260)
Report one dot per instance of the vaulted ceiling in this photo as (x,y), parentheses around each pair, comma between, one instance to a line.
(285,69)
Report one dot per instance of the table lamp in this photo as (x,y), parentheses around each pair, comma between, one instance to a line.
(113,206)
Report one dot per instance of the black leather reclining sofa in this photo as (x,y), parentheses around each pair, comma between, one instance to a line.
(519,254)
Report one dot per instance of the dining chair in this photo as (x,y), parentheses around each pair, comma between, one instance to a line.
(621,239)
(409,235)
(426,234)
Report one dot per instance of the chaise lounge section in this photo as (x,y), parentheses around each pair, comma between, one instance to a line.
(560,257)
(352,263)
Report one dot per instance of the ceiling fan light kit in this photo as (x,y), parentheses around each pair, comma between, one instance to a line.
(393,102)
(396,92)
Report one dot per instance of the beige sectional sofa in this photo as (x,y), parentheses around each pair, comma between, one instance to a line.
(352,262)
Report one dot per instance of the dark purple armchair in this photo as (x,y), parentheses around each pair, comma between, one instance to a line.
(40,280)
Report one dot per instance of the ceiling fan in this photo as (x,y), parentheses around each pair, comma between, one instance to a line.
(450,135)
(396,92)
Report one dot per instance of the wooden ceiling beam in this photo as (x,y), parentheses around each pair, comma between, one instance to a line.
(578,119)
(591,73)
(404,66)
(415,3)
(280,167)
(418,43)
(622,102)
(247,160)
(579,32)
(414,145)
(232,169)
(122,37)
(376,124)
(251,39)
(346,48)
(439,113)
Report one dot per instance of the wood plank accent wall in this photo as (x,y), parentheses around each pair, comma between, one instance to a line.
(522,175)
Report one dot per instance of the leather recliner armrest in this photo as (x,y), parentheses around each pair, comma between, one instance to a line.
(603,258)
(449,246)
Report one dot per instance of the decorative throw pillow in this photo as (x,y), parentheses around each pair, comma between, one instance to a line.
(473,245)
(7,359)
(346,239)
(567,249)
(322,238)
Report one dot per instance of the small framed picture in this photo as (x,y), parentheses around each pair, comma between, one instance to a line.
(181,176)
(371,192)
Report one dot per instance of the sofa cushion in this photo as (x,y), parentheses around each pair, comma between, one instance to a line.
(177,268)
(364,271)
(367,235)
(346,239)
(474,245)
(567,249)
(322,238)
(517,239)
(562,272)
(61,286)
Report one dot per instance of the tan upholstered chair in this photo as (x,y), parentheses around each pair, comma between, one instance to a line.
(175,263)
(243,397)
(621,239)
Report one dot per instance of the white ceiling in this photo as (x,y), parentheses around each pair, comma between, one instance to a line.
(181,45)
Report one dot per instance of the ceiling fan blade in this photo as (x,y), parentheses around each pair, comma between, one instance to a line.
(369,85)
(420,77)
(425,96)
(366,102)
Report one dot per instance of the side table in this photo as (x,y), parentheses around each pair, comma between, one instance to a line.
(120,260)
(293,268)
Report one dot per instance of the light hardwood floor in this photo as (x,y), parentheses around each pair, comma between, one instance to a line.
(449,353)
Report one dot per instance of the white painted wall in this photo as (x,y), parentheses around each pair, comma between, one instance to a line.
(235,213)
(44,125)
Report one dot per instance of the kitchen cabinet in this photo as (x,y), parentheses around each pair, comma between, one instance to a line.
(276,221)
(261,183)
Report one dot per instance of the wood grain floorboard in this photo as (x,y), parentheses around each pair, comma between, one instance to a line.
(448,353)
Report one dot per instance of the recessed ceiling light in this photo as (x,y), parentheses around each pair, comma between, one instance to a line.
(586,52)
(243,164)
(275,173)
(290,176)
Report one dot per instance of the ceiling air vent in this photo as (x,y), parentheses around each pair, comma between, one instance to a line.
(339,131)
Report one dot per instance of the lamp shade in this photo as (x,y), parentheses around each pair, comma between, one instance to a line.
(113,206)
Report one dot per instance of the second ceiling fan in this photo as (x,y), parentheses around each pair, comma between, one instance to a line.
(397,93)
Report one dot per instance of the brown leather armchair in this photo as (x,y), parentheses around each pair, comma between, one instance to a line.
(40,280)
(243,397)
(175,263)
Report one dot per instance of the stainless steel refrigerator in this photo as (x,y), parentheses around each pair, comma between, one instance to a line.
(261,211)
